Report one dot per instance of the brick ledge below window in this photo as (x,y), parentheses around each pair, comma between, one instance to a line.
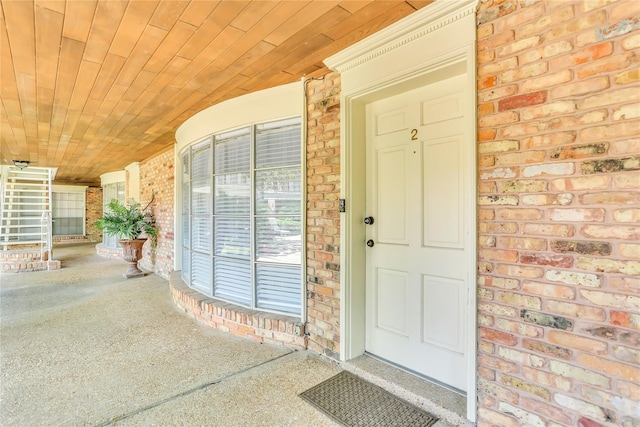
(259,326)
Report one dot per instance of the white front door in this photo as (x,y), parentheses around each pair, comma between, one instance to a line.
(417,260)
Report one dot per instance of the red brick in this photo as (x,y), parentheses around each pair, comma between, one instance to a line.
(487,82)
(606,98)
(519,214)
(485,31)
(486,108)
(556,138)
(546,259)
(625,10)
(498,40)
(611,232)
(607,65)
(498,227)
(486,134)
(522,100)
(625,319)
(485,57)
(585,55)
(522,157)
(626,77)
(496,67)
(547,81)
(586,21)
(519,45)
(496,363)
(558,230)
(522,243)
(615,369)
(610,198)
(549,290)
(618,130)
(546,410)
(523,15)
(498,309)
(546,21)
(518,300)
(523,72)
(548,349)
(528,387)
(520,271)
(583,87)
(493,389)
(585,422)
(576,310)
(488,417)
(497,336)
(498,119)
(577,342)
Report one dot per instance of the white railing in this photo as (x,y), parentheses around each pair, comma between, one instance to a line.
(20,199)
(3,186)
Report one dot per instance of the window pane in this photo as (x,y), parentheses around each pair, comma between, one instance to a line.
(278,191)
(120,191)
(278,239)
(186,196)
(186,234)
(201,273)
(186,266)
(201,164)
(279,288)
(201,197)
(233,280)
(201,234)
(233,194)
(232,237)
(232,152)
(186,170)
(278,143)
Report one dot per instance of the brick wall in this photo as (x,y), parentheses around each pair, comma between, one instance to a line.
(93,206)
(157,178)
(559,181)
(323,217)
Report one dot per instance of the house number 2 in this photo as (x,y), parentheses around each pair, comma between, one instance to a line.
(414,134)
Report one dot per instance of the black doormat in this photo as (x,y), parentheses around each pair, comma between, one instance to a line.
(352,401)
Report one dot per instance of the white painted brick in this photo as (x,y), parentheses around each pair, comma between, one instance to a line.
(548,169)
(573,278)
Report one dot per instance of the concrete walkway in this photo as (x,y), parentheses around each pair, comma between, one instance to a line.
(82,346)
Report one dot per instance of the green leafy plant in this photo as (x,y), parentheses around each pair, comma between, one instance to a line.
(128,221)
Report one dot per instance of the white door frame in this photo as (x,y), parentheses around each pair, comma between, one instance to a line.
(420,49)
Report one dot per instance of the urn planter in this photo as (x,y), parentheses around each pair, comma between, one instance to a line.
(128,222)
(132,253)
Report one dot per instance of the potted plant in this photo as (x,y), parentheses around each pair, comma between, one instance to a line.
(129,222)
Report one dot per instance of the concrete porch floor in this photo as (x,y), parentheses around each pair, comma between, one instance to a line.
(82,346)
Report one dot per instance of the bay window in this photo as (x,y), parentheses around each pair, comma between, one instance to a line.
(242,216)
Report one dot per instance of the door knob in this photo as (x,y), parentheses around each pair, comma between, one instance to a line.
(370,243)
(368,220)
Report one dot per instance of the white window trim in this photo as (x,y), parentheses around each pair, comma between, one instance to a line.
(74,189)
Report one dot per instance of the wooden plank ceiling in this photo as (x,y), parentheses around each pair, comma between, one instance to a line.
(91,86)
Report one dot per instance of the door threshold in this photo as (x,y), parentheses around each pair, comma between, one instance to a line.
(449,404)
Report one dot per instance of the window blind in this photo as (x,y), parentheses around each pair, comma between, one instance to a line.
(243,214)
